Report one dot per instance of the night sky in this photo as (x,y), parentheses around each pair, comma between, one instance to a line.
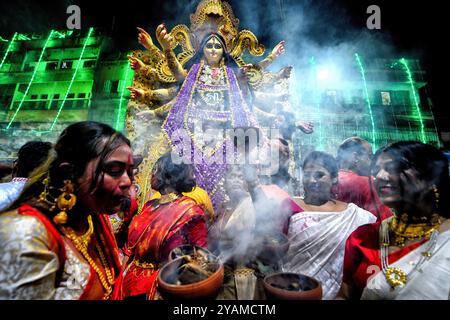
(415,29)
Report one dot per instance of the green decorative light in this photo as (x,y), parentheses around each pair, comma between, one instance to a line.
(63,34)
(416,102)
(119,112)
(31,81)
(72,80)
(22,36)
(366,92)
(8,49)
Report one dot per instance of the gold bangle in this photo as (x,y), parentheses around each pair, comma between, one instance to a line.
(146,265)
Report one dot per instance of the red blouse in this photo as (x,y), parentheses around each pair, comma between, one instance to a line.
(362,256)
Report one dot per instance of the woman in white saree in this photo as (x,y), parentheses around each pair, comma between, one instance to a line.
(405,257)
(318,234)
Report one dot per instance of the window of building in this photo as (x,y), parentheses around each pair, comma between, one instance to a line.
(107,86)
(5,101)
(44,96)
(71,96)
(54,104)
(401,98)
(22,87)
(89,64)
(385,98)
(80,104)
(69,104)
(28,67)
(82,95)
(115,86)
(34,97)
(331,97)
(51,65)
(66,64)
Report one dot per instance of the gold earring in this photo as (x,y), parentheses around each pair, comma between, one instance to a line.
(222,62)
(436,194)
(45,194)
(65,202)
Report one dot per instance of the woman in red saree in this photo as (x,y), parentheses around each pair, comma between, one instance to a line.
(162,225)
(57,242)
(405,256)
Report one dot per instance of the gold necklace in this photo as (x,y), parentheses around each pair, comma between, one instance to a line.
(411,231)
(82,244)
(396,277)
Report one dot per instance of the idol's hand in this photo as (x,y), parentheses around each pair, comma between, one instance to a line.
(135,93)
(279,49)
(306,127)
(248,71)
(144,38)
(164,37)
(285,72)
(135,63)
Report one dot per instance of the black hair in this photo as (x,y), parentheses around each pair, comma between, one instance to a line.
(324,159)
(430,163)
(78,144)
(166,174)
(348,146)
(83,141)
(30,156)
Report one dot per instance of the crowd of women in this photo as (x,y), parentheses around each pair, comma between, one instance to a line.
(369,227)
(57,241)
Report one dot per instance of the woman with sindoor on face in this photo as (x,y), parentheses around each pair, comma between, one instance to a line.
(57,242)
(405,256)
(318,233)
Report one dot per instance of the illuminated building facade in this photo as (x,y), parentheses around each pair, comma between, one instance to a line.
(52,80)
(49,81)
(383,100)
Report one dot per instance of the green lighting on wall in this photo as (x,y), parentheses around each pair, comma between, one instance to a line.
(416,102)
(119,117)
(23,37)
(8,49)
(366,93)
(31,81)
(72,80)
(63,34)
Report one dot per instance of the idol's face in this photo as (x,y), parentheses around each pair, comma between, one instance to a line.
(213,51)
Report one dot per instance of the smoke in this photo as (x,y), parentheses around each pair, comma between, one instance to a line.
(257,219)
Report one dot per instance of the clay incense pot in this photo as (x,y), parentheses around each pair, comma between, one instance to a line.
(171,287)
(292,286)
